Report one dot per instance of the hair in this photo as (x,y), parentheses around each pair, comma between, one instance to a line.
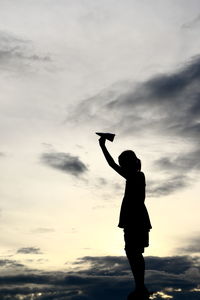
(128,160)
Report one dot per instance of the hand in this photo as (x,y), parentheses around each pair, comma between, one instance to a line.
(102,141)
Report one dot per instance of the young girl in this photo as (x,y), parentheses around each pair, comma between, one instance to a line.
(134,218)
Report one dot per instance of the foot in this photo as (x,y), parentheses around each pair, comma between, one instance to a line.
(139,294)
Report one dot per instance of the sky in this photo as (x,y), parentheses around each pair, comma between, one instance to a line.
(67,70)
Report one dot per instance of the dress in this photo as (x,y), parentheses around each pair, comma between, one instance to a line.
(134,217)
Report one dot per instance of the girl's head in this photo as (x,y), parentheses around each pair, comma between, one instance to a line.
(129,161)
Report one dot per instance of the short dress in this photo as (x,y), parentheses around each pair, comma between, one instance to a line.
(134,218)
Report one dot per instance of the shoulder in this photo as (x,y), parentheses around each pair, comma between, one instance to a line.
(140,174)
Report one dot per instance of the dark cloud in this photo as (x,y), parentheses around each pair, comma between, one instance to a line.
(106,265)
(8,263)
(29,250)
(118,265)
(171,264)
(106,277)
(12,266)
(64,162)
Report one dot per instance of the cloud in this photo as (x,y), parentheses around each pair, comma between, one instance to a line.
(171,264)
(176,164)
(106,277)
(192,245)
(42,230)
(29,250)
(11,266)
(98,207)
(191,24)
(16,52)
(106,265)
(10,263)
(167,186)
(184,162)
(102,181)
(64,162)
(164,104)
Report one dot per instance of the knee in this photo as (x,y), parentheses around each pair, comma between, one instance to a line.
(133,254)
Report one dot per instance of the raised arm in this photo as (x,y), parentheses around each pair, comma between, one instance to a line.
(109,158)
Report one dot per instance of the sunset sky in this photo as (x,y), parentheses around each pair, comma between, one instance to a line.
(69,69)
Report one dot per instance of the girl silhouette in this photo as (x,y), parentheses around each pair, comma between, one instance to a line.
(134,218)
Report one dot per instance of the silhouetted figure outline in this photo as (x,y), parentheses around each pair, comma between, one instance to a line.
(134,218)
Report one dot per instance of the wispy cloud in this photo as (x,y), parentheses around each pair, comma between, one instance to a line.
(42,230)
(192,246)
(181,166)
(167,186)
(29,250)
(183,162)
(64,162)
(16,52)
(192,23)
(10,263)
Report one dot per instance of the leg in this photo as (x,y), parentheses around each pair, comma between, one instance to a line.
(134,247)
(137,264)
